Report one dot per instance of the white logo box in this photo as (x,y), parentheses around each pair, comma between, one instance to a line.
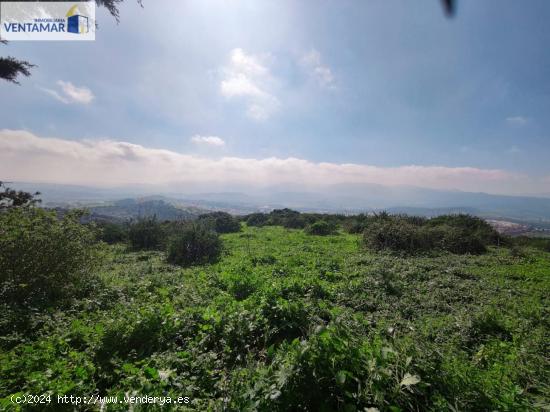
(67,21)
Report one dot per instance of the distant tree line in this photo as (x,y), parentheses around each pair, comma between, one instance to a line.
(459,233)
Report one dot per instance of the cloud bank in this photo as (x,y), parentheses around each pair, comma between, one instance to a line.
(27,157)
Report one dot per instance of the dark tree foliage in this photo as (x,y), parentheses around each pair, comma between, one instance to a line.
(412,235)
(257,219)
(471,225)
(112,6)
(356,224)
(10,198)
(221,222)
(146,234)
(10,68)
(321,228)
(113,232)
(44,259)
(195,244)
(535,242)
(291,219)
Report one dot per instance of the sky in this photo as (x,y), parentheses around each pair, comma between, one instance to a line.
(280,92)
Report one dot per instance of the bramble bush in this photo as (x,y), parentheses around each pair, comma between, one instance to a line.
(403,235)
(535,242)
(112,232)
(456,240)
(321,228)
(355,224)
(221,222)
(194,244)
(257,219)
(44,259)
(146,234)
(291,219)
(471,226)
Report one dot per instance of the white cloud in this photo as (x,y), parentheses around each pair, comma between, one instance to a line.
(69,93)
(247,77)
(208,140)
(517,120)
(322,74)
(27,157)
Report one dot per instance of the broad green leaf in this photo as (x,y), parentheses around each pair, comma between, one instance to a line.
(409,380)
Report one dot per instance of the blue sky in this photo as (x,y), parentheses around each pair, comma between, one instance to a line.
(385,85)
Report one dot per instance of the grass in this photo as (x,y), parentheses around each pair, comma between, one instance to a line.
(289,321)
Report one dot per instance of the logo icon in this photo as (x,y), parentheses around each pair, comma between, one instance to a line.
(76,22)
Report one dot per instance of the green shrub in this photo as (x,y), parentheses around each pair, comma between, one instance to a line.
(468,225)
(336,371)
(358,223)
(294,222)
(146,234)
(396,235)
(221,222)
(257,219)
(195,244)
(112,233)
(354,225)
(459,241)
(400,235)
(321,228)
(291,219)
(540,243)
(517,251)
(44,259)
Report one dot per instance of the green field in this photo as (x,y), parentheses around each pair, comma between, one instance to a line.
(289,321)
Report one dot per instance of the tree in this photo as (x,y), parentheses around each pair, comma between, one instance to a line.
(257,219)
(321,228)
(146,234)
(10,198)
(221,222)
(194,244)
(11,68)
(44,259)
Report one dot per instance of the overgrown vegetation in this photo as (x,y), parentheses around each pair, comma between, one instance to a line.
(400,235)
(321,228)
(220,222)
(112,232)
(282,320)
(194,244)
(146,234)
(44,259)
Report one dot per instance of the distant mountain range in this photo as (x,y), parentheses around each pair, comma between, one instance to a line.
(342,198)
